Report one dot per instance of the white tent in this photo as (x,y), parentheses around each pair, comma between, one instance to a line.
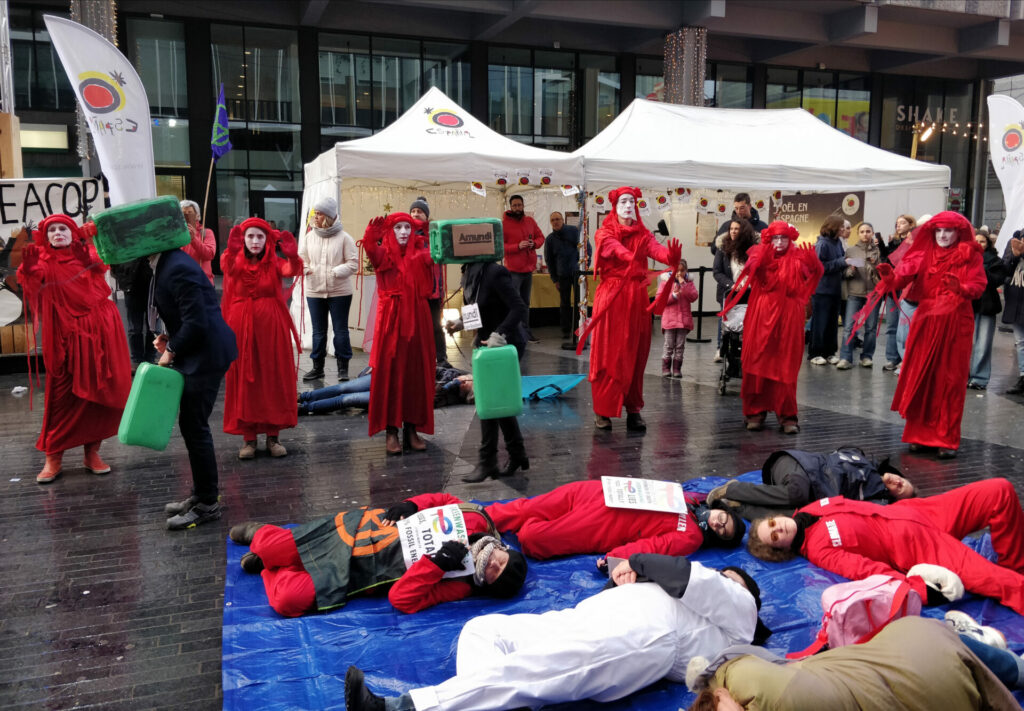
(652,143)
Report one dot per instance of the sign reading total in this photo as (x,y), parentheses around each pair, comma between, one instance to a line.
(423,533)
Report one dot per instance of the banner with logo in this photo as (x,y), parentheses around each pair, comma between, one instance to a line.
(115,105)
(808,212)
(1006,142)
(643,494)
(423,533)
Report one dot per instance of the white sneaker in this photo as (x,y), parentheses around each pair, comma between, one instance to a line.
(833,359)
(965,624)
(866,363)
(718,356)
(844,365)
(818,360)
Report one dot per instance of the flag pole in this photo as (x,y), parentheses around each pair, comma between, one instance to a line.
(202,217)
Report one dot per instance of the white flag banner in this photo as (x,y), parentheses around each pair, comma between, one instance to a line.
(1006,141)
(115,105)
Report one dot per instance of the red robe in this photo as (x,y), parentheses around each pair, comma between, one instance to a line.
(933,378)
(260,387)
(403,357)
(621,325)
(773,328)
(88,370)
(856,539)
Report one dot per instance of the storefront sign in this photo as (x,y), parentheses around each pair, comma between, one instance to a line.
(808,212)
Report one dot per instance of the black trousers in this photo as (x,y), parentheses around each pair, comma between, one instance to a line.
(509,427)
(140,339)
(440,345)
(567,316)
(197,399)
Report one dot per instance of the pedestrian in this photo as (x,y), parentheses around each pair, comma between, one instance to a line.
(986,308)
(676,291)
(859,280)
(522,239)
(825,302)
(203,245)
(1013,314)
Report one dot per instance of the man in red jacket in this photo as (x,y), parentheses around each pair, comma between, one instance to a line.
(522,240)
(856,539)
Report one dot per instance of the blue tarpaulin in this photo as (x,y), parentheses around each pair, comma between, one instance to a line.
(274,663)
(537,387)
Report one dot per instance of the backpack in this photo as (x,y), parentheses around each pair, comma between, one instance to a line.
(858,610)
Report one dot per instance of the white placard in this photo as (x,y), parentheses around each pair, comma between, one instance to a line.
(423,533)
(30,200)
(855,262)
(643,494)
(471,317)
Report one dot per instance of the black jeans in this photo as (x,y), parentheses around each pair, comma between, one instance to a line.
(197,399)
(824,325)
(509,427)
(140,339)
(523,282)
(567,317)
(440,346)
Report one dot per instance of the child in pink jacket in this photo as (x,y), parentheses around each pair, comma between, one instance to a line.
(676,320)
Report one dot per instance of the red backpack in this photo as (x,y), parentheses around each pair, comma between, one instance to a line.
(856,611)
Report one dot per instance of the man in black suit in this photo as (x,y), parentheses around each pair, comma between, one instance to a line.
(201,346)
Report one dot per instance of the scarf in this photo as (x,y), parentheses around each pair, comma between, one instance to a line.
(328,232)
(803,522)
(481,552)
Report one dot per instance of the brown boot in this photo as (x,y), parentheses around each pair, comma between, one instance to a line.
(248,450)
(275,448)
(92,459)
(391,443)
(411,440)
(51,470)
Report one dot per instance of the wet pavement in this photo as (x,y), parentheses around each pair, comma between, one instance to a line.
(102,607)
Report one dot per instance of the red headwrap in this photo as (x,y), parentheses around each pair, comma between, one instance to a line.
(779,227)
(615,194)
(39,234)
(965,233)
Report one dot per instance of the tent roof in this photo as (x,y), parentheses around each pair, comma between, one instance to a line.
(436,141)
(652,143)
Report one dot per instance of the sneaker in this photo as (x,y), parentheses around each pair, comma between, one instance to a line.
(718,356)
(975,386)
(198,514)
(179,507)
(791,428)
(818,360)
(533,339)
(602,423)
(967,625)
(890,366)
(833,359)
(248,451)
(844,365)
(866,363)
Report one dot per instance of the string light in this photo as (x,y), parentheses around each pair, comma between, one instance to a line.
(686,56)
(100,17)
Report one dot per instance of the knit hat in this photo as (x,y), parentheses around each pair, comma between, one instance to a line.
(511,579)
(421,203)
(327,206)
(761,630)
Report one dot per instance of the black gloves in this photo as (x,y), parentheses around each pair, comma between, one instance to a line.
(400,511)
(449,557)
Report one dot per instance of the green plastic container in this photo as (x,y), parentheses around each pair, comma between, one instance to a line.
(152,407)
(139,229)
(497,384)
(463,241)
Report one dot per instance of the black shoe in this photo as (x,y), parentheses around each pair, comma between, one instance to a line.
(947,453)
(483,472)
(316,372)
(1018,388)
(515,463)
(252,563)
(198,514)
(357,696)
(635,423)
(243,532)
(975,386)
(342,369)
(915,447)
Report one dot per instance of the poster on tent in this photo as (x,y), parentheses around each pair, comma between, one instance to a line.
(808,212)
(707,228)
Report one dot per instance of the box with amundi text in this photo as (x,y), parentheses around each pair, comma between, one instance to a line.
(467,240)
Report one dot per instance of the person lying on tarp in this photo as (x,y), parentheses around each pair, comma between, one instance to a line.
(661,612)
(318,565)
(451,387)
(573,518)
(794,478)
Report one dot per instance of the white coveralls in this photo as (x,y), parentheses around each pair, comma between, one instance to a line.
(605,648)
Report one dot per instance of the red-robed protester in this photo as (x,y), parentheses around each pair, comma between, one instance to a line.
(88,370)
(782,278)
(942,271)
(260,389)
(621,325)
(402,358)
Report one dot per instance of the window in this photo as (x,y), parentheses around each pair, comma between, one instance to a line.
(853,107)
(345,85)
(733,88)
(650,79)
(156,48)
(446,66)
(510,92)
(39,79)
(819,95)
(841,100)
(397,75)
(600,82)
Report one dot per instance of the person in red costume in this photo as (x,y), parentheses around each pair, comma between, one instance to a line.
(316,567)
(857,538)
(88,370)
(781,278)
(402,358)
(942,272)
(260,390)
(621,324)
(573,519)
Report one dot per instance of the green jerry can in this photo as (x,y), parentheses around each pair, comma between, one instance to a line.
(497,385)
(152,407)
(139,229)
(469,240)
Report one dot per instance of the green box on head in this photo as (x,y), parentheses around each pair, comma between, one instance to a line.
(139,229)
(467,240)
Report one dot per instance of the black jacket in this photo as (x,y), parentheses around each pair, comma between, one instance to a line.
(755,222)
(187,302)
(1013,292)
(501,307)
(562,254)
(988,304)
(843,472)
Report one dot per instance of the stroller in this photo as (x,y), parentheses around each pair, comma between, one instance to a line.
(732,346)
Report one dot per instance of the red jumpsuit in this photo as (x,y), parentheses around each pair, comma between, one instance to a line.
(260,386)
(856,539)
(621,324)
(403,357)
(773,328)
(933,378)
(88,370)
(290,588)
(573,519)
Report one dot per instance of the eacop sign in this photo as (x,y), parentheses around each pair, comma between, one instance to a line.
(24,201)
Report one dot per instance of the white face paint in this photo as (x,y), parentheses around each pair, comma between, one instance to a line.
(403,230)
(59,235)
(255,240)
(780,243)
(945,236)
(625,207)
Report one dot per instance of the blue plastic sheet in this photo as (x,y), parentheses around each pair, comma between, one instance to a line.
(273,663)
(538,387)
